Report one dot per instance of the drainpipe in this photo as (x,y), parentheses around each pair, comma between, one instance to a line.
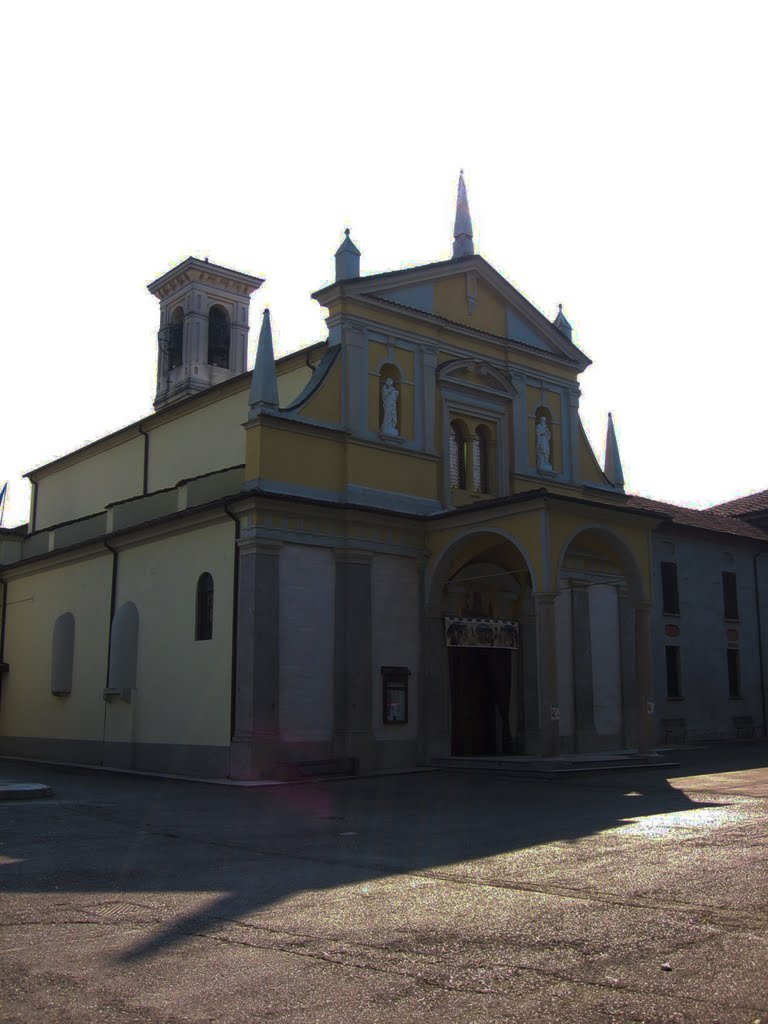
(145,435)
(235,586)
(760,643)
(112,598)
(33,517)
(4,613)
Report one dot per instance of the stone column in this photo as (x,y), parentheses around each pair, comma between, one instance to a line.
(257,671)
(629,699)
(644,659)
(581,651)
(353,659)
(434,722)
(549,730)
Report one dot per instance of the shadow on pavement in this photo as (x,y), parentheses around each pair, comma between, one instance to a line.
(250,848)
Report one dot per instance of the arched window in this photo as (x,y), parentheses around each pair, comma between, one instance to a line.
(480,482)
(218,337)
(62,654)
(124,648)
(204,608)
(175,339)
(457,455)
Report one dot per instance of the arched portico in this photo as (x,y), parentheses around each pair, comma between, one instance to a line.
(480,697)
(602,624)
(579,681)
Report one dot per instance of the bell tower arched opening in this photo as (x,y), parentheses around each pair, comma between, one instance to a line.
(219,329)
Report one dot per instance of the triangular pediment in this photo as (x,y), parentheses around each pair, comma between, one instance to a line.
(468,292)
(475,375)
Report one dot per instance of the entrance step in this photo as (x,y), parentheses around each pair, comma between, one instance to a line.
(555,767)
(23,790)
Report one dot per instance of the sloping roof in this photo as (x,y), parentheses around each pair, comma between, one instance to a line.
(748,505)
(704,519)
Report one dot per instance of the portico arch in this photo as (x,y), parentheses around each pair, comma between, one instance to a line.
(470,546)
(480,697)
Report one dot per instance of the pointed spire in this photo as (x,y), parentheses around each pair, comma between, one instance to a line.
(613,468)
(462,230)
(347,259)
(562,324)
(264,380)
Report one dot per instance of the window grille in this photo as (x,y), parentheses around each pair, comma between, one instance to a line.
(730,596)
(480,461)
(669,594)
(673,673)
(456,457)
(734,673)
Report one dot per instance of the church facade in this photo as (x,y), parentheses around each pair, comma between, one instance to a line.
(393,546)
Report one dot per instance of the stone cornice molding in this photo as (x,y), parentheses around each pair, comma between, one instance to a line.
(194,271)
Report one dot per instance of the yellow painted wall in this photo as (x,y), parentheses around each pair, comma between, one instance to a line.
(590,467)
(632,531)
(87,486)
(291,382)
(183,686)
(202,440)
(524,528)
(27,707)
(490,311)
(304,458)
(325,404)
(392,470)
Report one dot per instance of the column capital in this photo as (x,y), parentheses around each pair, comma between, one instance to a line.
(353,556)
(258,546)
(577,584)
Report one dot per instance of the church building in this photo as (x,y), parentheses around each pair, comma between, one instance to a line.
(387,548)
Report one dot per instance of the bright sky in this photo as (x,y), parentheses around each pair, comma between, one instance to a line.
(615,157)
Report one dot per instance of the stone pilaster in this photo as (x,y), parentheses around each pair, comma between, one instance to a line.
(629,698)
(549,730)
(644,660)
(581,653)
(353,643)
(436,687)
(257,671)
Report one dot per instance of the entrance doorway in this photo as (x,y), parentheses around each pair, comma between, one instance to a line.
(485,707)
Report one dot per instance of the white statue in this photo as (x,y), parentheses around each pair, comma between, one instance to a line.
(389,395)
(543,447)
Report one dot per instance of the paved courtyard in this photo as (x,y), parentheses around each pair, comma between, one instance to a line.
(640,896)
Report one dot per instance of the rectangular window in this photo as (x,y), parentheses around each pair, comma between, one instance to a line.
(395,693)
(674,691)
(730,597)
(734,680)
(669,595)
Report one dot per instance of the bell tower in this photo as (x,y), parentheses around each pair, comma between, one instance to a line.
(203,336)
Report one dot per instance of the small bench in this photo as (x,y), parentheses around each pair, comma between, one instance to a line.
(745,727)
(674,730)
